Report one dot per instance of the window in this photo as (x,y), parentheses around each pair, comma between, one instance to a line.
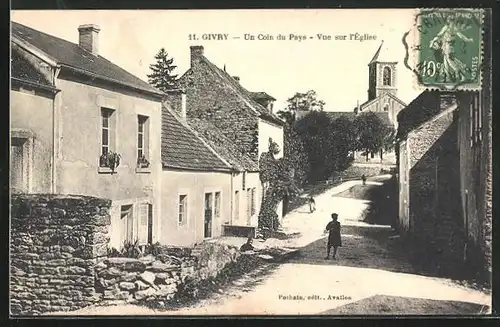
(145,230)
(252,209)
(107,133)
(236,205)
(182,209)
(386,107)
(142,141)
(243,180)
(217,205)
(387,76)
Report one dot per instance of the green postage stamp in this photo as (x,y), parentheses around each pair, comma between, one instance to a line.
(447,48)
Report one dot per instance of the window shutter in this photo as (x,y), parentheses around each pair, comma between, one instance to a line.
(142,233)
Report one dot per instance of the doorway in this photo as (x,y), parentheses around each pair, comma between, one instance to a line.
(208,214)
(18,165)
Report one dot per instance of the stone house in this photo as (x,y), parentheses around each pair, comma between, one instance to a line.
(444,163)
(196,184)
(245,182)
(243,117)
(70,110)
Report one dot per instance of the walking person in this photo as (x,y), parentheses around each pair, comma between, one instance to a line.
(312,204)
(334,239)
(363,178)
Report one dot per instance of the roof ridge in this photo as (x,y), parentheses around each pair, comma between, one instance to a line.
(375,56)
(122,75)
(38,31)
(435,117)
(397,99)
(241,92)
(216,69)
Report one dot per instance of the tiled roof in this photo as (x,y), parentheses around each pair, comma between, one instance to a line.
(223,146)
(421,109)
(261,95)
(72,56)
(337,114)
(382,55)
(181,148)
(24,70)
(244,94)
(384,116)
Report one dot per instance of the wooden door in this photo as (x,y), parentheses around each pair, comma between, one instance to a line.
(208,214)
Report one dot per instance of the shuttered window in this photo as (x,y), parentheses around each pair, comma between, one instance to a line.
(143,217)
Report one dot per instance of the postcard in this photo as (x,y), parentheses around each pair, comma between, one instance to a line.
(326,162)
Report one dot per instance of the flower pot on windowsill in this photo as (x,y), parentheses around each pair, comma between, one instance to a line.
(143,165)
(108,162)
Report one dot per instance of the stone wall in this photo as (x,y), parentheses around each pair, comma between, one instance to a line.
(212,96)
(55,243)
(59,259)
(434,195)
(163,277)
(355,171)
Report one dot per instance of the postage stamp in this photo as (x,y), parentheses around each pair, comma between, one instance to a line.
(447,49)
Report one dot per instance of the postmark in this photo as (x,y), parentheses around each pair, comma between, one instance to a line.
(446,48)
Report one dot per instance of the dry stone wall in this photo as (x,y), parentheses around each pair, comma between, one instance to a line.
(59,258)
(55,244)
(355,172)
(163,276)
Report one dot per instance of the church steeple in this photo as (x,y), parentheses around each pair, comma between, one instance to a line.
(381,73)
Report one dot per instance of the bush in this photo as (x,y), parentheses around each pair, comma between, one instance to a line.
(129,250)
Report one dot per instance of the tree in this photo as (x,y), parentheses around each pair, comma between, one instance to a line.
(161,75)
(328,143)
(295,155)
(344,138)
(276,178)
(301,102)
(372,133)
(314,130)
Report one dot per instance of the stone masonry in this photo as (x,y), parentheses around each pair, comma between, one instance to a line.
(161,277)
(210,98)
(434,191)
(55,243)
(59,258)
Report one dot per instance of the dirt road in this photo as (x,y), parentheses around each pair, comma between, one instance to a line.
(371,275)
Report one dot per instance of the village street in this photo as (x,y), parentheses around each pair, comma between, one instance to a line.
(370,276)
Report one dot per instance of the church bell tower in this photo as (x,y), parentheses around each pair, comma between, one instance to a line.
(381,74)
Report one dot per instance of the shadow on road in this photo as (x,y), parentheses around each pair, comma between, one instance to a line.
(398,305)
(363,247)
(383,208)
(313,190)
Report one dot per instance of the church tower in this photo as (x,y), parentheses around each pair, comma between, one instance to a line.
(381,74)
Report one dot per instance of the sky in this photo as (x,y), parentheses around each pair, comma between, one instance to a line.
(336,69)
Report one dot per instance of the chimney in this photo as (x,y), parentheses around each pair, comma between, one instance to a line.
(176,99)
(196,52)
(237,79)
(89,38)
